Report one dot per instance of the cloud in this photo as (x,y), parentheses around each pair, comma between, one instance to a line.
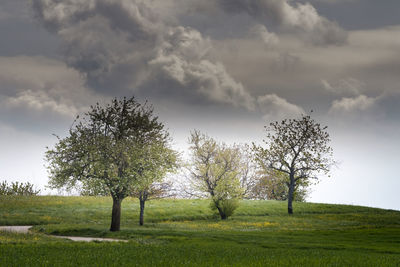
(21,73)
(145,48)
(384,108)
(109,42)
(270,39)
(37,93)
(334,1)
(347,86)
(275,108)
(39,101)
(348,105)
(182,58)
(123,46)
(301,18)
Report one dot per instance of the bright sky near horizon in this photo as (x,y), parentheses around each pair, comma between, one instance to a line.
(225,67)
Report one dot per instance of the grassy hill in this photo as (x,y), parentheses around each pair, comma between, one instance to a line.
(187,233)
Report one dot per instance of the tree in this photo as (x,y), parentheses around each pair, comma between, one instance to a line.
(111,147)
(157,161)
(155,190)
(297,148)
(215,170)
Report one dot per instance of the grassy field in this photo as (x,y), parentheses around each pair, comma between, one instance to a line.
(187,233)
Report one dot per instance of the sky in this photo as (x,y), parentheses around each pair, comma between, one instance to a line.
(224,67)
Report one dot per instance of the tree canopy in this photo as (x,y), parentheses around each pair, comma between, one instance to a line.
(120,147)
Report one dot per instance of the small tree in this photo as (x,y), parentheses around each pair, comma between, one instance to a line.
(215,170)
(298,148)
(156,162)
(155,190)
(106,149)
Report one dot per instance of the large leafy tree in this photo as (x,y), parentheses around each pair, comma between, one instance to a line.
(157,160)
(297,148)
(112,147)
(215,170)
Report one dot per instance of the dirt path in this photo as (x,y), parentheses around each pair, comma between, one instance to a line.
(17,229)
(25,230)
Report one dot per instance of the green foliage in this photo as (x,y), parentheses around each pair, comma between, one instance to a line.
(120,148)
(17,189)
(94,188)
(160,160)
(216,170)
(112,146)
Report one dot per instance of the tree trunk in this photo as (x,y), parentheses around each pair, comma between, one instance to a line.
(291,193)
(116,215)
(221,212)
(142,202)
(223,215)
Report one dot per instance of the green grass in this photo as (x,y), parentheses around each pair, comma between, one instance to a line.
(187,233)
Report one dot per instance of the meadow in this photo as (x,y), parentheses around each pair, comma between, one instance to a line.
(187,233)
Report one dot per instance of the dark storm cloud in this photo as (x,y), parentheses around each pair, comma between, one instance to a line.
(301,18)
(278,15)
(125,47)
(122,45)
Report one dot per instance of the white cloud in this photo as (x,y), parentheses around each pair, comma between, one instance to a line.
(39,101)
(275,108)
(347,86)
(353,105)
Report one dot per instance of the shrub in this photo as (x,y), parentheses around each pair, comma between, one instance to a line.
(225,207)
(17,189)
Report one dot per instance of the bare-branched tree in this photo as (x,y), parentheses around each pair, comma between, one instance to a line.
(298,148)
